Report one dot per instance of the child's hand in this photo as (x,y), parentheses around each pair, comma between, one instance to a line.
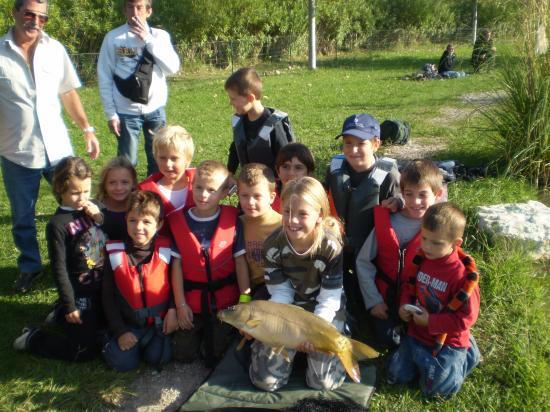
(306,347)
(421,319)
(74,317)
(404,314)
(185,317)
(127,341)
(170,323)
(93,211)
(393,203)
(380,311)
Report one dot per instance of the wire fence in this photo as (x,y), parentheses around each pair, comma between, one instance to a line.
(220,57)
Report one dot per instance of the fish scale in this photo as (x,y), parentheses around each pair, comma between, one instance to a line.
(288,326)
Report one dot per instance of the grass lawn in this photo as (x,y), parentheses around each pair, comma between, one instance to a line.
(512,331)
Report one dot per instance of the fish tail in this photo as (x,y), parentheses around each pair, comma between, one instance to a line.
(350,365)
(362,351)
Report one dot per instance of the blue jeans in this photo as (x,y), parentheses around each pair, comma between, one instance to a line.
(452,74)
(130,127)
(22,186)
(441,375)
(156,351)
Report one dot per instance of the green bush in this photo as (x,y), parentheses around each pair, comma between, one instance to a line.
(522,118)
(81,25)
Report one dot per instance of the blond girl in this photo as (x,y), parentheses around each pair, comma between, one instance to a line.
(303,266)
(117,181)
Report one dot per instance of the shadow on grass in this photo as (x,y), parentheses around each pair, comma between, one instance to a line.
(375,61)
(30,382)
(9,274)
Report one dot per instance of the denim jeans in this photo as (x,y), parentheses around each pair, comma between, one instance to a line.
(440,375)
(22,186)
(452,74)
(157,351)
(130,127)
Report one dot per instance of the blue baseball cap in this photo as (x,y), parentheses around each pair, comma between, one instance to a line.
(362,126)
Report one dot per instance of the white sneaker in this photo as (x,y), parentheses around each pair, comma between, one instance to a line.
(21,343)
(50,319)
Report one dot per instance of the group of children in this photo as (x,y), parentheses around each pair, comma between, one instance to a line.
(153,262)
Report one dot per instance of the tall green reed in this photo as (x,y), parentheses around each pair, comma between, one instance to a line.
(521,119)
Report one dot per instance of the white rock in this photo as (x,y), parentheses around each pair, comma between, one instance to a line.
(528,222)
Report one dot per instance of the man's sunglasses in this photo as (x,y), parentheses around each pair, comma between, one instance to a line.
(31,15)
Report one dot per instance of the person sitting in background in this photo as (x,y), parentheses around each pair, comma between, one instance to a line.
(483,55)
(447,63)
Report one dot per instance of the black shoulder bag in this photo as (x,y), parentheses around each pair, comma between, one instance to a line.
(136,86)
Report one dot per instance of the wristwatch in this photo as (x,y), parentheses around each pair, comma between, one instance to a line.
(89,129)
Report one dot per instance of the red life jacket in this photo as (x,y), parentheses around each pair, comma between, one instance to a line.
(151,184)
(209,274)
(394,266)
(145,287)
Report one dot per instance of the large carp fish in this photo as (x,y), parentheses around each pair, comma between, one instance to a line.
(287,326)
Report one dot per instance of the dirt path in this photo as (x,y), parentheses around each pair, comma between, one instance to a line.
(164,391)
(419,146)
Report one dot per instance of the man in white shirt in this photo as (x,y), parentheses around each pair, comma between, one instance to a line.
(36,77)
(120,54)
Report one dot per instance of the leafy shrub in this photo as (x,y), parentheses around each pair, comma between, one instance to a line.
(522,118)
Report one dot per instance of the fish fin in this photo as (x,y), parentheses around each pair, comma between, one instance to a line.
(350,365)
(241,343)
(362,351)
(285,354)
(278,349)
(252,323)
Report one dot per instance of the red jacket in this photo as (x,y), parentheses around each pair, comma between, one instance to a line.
(213,268)
(146,285)
(437,282)
(392,263)
(151,184)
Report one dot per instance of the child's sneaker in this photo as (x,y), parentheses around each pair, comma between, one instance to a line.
(22,342)
(50,319)
(55,315)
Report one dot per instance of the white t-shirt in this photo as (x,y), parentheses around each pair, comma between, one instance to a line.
(176,197)
(31,125)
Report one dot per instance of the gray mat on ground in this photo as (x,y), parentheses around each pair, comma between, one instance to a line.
(229,386)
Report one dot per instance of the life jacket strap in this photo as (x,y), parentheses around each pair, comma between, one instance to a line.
(151,311)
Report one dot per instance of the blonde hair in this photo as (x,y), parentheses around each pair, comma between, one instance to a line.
(207,169)
(311,191)
(176,138)
(445,218)
(421,172)
(119,162)
(245,81)
(255,173)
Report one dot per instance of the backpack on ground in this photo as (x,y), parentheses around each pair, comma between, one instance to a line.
(395,131)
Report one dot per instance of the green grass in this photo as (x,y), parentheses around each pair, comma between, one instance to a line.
(512,329)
